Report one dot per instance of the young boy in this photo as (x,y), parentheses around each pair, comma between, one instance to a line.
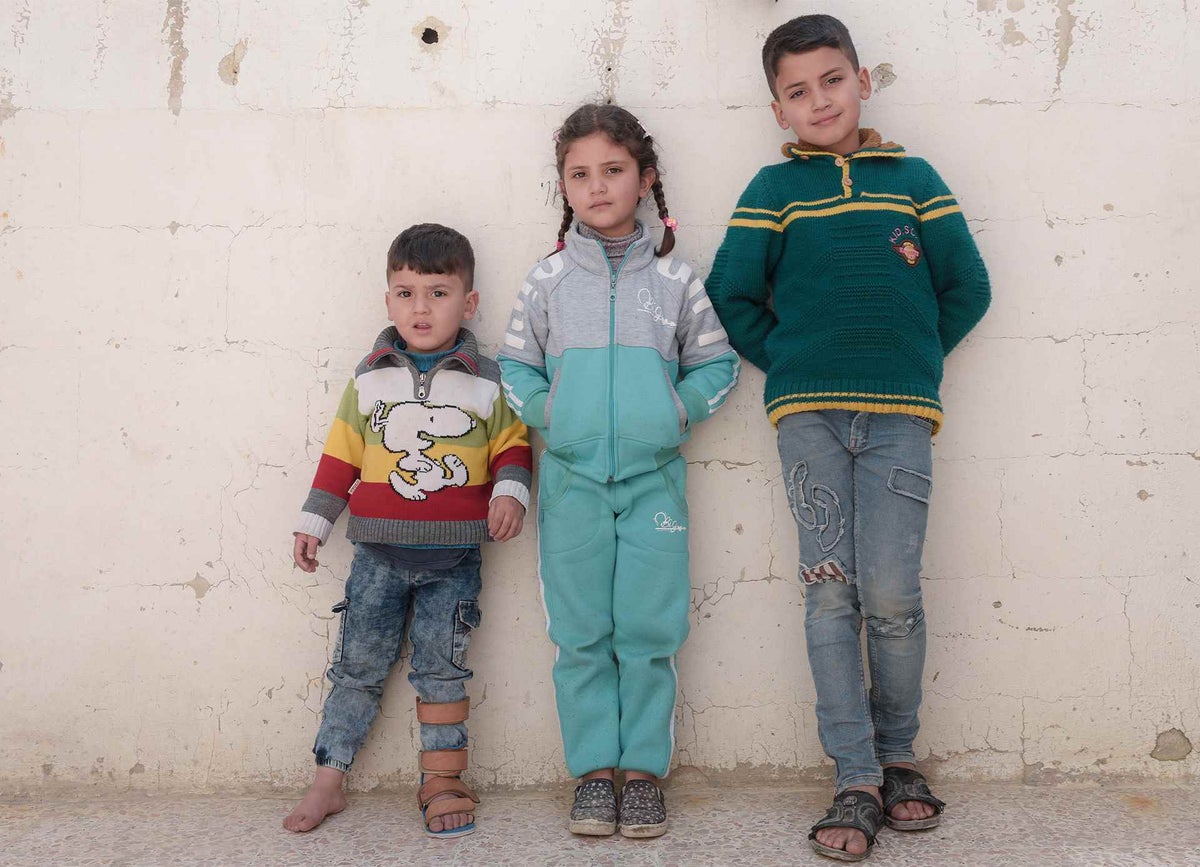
(847,274)
(432,462)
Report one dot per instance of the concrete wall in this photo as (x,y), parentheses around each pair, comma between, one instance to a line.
(195,202)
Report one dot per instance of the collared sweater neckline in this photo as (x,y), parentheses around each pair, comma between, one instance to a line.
(870,144)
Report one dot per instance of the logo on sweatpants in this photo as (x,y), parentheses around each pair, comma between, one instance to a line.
(664,523)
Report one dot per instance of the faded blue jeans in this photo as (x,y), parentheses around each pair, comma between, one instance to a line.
(858,484)
(379,592)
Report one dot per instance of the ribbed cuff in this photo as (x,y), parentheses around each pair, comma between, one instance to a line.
(335,764)
(509,488)
(314,525)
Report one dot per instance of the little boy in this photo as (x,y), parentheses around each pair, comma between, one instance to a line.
(432,462)
(847,274)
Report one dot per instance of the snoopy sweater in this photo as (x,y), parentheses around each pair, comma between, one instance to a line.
(418,457)
(848,279)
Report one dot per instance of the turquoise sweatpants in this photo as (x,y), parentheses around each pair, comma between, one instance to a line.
(614,571)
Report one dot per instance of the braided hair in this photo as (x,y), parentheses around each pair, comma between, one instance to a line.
(625,130)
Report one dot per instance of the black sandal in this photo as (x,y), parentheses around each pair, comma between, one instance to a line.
(860,811)
(905,784)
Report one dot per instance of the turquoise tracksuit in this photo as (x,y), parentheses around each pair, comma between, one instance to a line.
(614,366)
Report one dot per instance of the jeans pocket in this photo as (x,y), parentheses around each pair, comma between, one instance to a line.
(911,484)
(341,609)
(466,621)
(921,421)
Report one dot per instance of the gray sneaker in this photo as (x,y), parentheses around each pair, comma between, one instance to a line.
(643,810)
(595,809)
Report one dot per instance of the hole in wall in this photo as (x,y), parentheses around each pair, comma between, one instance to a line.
(429,36)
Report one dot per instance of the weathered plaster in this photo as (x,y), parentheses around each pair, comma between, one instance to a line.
(189,280)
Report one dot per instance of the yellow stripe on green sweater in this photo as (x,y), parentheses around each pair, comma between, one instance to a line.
(803,396)
(827,212)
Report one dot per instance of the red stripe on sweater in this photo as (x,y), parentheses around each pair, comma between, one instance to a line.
(335,476)
(522,456)
(378,500)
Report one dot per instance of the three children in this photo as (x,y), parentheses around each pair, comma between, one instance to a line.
(847,274)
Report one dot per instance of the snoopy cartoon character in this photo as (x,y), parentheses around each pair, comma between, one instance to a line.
(406,428)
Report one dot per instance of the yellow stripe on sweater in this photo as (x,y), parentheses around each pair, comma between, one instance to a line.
(933,415)
(940,212)
(344,443)
(378,462)
(827,212)
(890,397)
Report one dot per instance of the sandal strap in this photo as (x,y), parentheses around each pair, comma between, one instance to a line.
(435,786)
(905,784)
(449,805)
(853,809)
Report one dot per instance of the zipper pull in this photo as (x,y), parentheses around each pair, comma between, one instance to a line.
(421,387)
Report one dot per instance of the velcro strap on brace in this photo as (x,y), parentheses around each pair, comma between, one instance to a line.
(443,713)
(443,762)
(435,786)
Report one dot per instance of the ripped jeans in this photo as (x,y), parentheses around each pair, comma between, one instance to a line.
(858,484)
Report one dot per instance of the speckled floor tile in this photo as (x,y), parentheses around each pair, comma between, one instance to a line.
(1009,825)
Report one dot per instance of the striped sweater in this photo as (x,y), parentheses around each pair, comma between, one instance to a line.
(419,456)
(848,279)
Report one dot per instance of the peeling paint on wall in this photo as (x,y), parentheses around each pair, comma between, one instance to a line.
(7,109)
(883,76)
(1064,37)
(1012,36)
(173,27)
(101,38)
(231,63)
(606,51)
(21,28)
(1171,746)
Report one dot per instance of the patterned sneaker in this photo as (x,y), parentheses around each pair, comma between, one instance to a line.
(595,809)
(643,810)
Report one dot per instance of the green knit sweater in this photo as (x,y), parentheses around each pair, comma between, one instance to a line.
(848,280)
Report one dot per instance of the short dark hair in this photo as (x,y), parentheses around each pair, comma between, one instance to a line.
(429,248)
(803,34)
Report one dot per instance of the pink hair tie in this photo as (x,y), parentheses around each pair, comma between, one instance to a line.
(561,245)
(671,223)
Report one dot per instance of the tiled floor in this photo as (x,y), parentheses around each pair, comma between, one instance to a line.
(986,824)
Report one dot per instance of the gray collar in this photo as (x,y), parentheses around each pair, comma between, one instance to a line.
(591,257)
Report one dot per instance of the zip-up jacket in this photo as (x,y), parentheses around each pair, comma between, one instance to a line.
(848,279)
(615,364)
(418,457)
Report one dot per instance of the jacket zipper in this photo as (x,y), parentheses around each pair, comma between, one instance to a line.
(612,357)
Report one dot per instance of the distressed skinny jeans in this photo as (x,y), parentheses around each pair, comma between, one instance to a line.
(858,485)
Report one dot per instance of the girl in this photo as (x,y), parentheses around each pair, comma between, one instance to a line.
(614,353)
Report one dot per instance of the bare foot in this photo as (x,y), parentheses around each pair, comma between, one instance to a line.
(908,810)
(323,798)
(852,841)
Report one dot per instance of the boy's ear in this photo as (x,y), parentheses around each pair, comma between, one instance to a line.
(779,118)
(471,306)
(864,83)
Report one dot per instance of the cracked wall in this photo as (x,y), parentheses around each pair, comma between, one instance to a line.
(195,201)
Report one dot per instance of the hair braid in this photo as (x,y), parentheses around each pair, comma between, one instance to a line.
(568,216)
(660,198)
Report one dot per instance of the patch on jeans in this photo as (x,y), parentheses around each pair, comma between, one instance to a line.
(824,514)
(827,571)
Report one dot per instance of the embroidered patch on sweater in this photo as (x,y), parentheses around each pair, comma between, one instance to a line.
(902,241)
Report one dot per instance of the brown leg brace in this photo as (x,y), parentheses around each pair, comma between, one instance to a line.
(442,767)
